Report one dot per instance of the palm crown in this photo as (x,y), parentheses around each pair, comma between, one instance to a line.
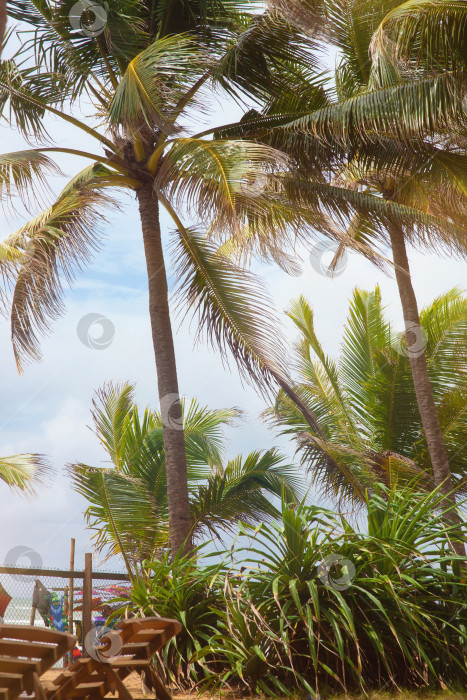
(128,500)
(365,402)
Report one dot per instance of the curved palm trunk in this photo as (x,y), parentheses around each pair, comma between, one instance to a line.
(421,379)
(174,439)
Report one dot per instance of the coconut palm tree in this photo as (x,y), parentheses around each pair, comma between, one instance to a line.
(398,173)
(25,472)
(366,402)
(147,69)
(128,507)
(244,193)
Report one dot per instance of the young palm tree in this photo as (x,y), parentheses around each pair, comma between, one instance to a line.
(148,68)
(366,403)
(128,501)
(25,472)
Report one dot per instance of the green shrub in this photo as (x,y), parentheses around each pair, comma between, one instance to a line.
(313,605)
(326,608)
(188,591)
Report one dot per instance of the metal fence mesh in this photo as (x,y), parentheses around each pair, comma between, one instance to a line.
(17,598)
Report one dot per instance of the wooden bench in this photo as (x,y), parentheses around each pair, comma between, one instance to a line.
(127,648)
(26,653)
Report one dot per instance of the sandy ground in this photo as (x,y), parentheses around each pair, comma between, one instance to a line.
(133,684)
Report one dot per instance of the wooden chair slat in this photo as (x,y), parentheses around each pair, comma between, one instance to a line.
(139,638)
(84,689)
(18,665)
(10,680)
(26,652)
(13,647)
(30,633)
(127,662)
(8,693)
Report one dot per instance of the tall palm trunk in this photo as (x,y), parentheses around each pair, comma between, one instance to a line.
(421,379)
(174,439)
(3,18)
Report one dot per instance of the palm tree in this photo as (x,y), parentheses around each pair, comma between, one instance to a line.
(366,402)
(397,172)
(128,501)
(147,68)
(25,471)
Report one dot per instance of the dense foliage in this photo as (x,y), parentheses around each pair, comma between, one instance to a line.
(127,500)
(365,405)
(318,605)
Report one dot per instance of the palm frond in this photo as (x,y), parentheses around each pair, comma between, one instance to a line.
(19,97)
(421,227)
(259,58)
(232,307)
(213,178)
(432,32)
(154,81)
(25,472)
(21,172)
(121,511)
(242,491)
(56,244)
(112,411)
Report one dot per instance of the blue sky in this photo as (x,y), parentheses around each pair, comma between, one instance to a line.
(47,408)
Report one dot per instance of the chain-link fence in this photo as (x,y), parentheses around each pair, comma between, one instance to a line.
(55,598)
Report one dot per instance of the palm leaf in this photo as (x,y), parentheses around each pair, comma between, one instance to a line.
(21,172)
(25,471)
(432,32)
(56,244)
(232,307)
(242,491)
(112,410)
(154,80)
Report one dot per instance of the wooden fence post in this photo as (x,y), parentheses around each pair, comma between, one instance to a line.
(87,600)
(33,609)
(71,595)
(71,587)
